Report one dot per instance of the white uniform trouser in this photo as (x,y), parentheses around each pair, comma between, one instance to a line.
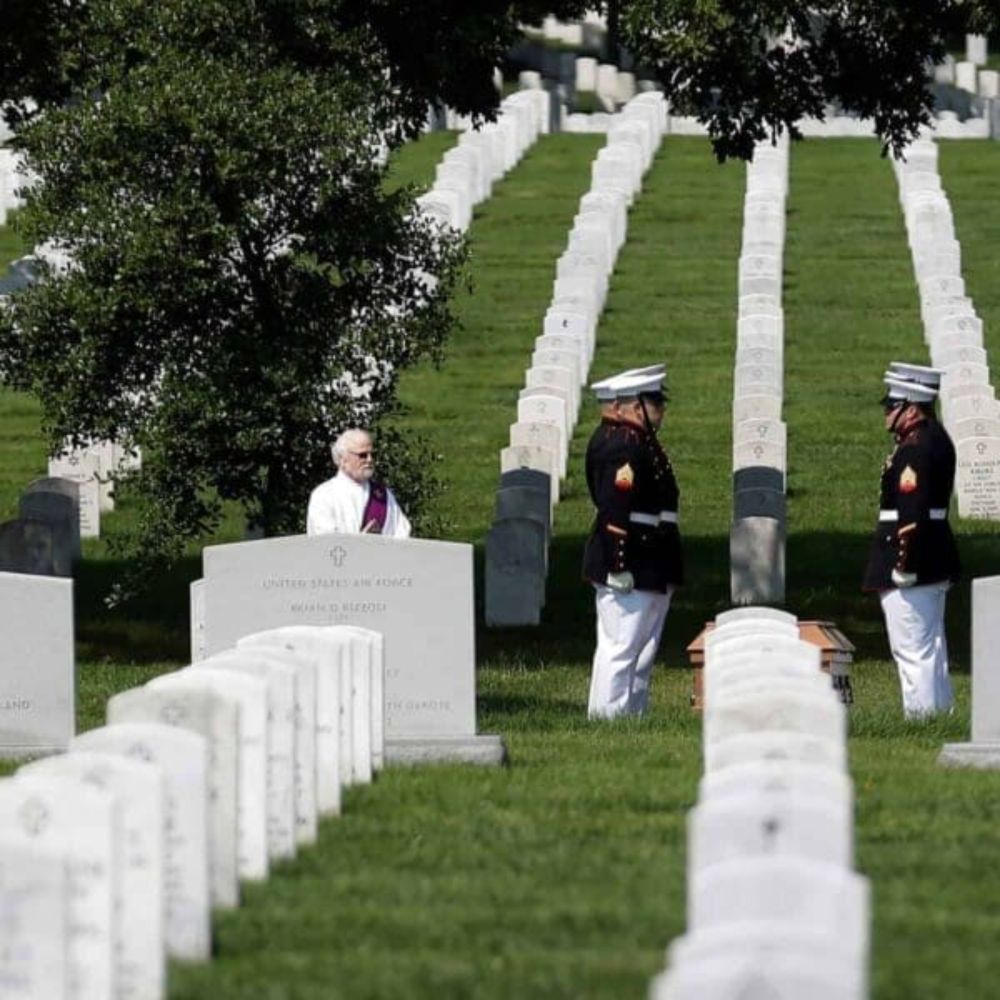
(914,620)
(628,634)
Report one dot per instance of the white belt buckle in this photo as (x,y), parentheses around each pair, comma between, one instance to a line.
(664,517)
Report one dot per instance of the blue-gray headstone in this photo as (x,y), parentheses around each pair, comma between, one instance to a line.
(26,547)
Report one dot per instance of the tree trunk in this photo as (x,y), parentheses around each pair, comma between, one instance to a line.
(614,44)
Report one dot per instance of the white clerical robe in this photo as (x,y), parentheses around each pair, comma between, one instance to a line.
(338,505)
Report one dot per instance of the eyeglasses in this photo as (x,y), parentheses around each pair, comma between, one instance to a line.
(361,454)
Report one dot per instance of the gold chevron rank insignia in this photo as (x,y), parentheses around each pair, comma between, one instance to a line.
(908,480)
(624,477)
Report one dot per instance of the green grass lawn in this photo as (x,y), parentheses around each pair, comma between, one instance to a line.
(563,874)
(22,452)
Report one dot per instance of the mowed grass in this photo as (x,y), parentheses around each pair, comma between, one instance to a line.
(925,836)
(563,875)
(22,452)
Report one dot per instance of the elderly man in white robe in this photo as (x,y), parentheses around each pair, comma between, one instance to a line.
(354,501)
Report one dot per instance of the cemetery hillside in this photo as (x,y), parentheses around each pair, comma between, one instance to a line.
(243,762)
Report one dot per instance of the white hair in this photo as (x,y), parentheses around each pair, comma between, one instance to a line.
(339,448)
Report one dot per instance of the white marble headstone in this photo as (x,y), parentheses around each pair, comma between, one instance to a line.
(416,592)
(139,787)
(37,664)
(280,680)
(757,824)
(84,824)
(333,725)
(182,758)
(34,904)
(248,696)
(217,721)
(818,895)
(773,703)
(776,745)
(82,468)
(305,667)
(977,477)
(777,777)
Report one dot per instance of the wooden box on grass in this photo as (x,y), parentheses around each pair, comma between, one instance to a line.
(836,656)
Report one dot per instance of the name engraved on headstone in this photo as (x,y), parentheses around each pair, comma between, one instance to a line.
(182,758)
(34,890)
(417,593)
(83,823)
(977,478)
(37,670)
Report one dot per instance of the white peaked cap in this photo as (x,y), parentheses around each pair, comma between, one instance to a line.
(912,392)
(915,373)
(628,386)
(604,389)
(607,388)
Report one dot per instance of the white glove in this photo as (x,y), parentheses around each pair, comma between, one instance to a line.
(901,579)
(622,582)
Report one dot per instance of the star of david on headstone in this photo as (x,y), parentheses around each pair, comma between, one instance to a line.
(338,555)
(757,451)
(34,816)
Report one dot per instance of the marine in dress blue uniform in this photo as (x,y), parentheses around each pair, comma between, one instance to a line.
(913,559)
(633,554)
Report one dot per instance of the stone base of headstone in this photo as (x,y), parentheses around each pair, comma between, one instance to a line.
(484,749)
(985,756)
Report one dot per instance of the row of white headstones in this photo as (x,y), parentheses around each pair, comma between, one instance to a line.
(774,907)
(482,156)
(759,433)
(94,469)
(953,332)
(549,404)
(968,74)
(113,854)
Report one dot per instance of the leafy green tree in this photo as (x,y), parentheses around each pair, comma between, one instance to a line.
(35,40)
(729,62)
(242,286)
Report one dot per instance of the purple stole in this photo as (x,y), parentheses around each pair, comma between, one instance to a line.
(376,509)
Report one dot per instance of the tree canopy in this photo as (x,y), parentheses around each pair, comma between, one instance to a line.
(752,67)
(241,286)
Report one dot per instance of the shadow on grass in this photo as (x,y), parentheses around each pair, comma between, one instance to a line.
(151,628)
(823,583)
(824,574)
